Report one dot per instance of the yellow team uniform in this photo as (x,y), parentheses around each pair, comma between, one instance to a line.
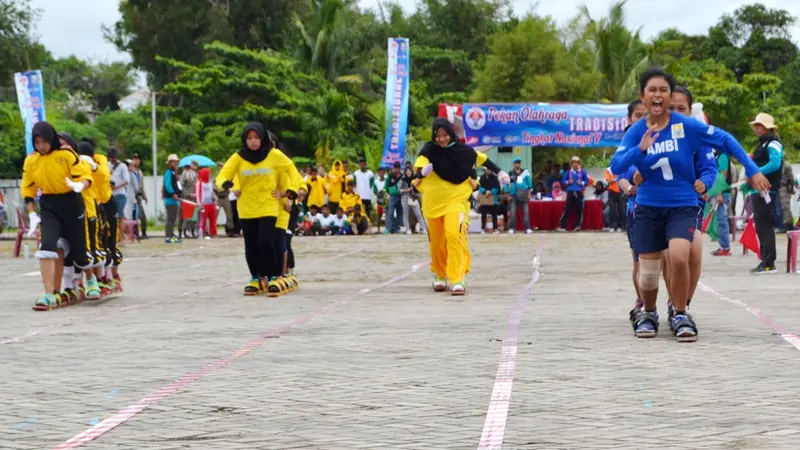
(294,179)
(350,200)
(335,182)
(446,209)
(316,192)
(256,182)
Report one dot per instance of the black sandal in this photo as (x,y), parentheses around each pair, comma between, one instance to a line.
(685,321)
(643,317)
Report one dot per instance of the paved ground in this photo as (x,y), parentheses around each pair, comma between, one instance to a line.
(194,365)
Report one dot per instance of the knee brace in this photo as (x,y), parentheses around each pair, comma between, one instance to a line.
(649,273)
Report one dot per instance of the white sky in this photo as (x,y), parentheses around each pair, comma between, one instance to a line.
(74,26)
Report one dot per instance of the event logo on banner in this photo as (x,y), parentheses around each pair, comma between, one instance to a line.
(545,125)
(394,144)
(30,95)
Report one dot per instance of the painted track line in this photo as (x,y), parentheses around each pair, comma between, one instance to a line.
(104,315)
(156,397)
(784,333)
(494,427)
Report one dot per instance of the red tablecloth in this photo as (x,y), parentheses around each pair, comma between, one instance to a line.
(545,215)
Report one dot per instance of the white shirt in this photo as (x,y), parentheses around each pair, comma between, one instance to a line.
(338,221)
(323,221)
(363,183)
(120,176)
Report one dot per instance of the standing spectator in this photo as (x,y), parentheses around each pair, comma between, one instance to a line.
(410,202)
(395,212)
(207,201)
(141,197)
(786,193)
(575,180)
(224,202)
(723,200)
(172,203)
(617,203)
(490,189)
(379,190)
(119,181)
(187,183)
(520,189)
(365,181)
(130,194)
(768,156)
(335,184)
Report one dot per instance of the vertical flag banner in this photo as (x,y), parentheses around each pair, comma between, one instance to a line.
(30,95)
(394,144)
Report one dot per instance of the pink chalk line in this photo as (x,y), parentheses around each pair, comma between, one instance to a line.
(791,338)
(494,427)
(114,312)
(154,398)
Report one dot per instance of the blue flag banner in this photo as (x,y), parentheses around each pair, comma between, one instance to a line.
(30,96)
(545,125)
(394,144)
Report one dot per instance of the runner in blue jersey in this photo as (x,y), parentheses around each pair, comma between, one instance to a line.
(663,147)
(636,111)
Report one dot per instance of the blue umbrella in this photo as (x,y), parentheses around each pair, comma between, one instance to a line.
(202,161)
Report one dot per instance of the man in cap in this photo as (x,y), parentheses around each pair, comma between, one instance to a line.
(171,193)
(575,181)
(520,189)
(768,156)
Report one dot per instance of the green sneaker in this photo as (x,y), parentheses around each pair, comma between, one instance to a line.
(93,291)
(45,302)
(439,284)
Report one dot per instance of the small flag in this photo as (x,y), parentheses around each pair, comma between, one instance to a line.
(720,186)
(710,222)
(749,238)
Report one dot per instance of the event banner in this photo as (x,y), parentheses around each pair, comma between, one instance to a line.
(30,95)
(394,145)
(545,124)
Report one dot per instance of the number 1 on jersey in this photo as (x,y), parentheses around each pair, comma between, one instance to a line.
(666,169)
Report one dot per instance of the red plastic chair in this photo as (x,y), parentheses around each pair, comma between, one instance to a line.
(23,228)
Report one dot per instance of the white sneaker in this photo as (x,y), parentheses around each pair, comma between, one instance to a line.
(511,231)
(560,230)
(408,232)
(496,231)
(528,231)
(458,289)
(483,231)
(439,284)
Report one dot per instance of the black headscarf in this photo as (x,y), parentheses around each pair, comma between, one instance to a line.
(68,137)
(255,156)
(454,163)
(85,148)
(48,133)
(490,182)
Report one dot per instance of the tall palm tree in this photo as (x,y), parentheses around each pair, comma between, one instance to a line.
(317,50)
(620,55)
(326,116)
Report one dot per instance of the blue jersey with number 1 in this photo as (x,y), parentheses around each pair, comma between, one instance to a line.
(669,166)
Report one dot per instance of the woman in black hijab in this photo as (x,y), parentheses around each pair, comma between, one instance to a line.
(445,170)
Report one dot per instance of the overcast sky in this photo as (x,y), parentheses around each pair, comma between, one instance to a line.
(74,26)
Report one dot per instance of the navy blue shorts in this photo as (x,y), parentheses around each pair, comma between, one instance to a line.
(630,227)
(656,226)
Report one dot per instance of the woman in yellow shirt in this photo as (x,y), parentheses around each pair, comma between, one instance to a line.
(258,167)
(62,177)
(316,189)
(335,185)
(444,177)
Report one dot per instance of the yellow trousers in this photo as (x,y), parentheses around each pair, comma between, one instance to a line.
(447,236)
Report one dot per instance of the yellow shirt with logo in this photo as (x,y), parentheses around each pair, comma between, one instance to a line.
(291,179)
(48,172)
(440,197)
(257,182)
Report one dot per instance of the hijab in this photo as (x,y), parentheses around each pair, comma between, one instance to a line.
(48,133)
(454,163)
(255,156)
(68,137)
(85,148)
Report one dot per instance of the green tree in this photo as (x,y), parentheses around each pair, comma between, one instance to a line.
(465,25)
(620,54)
(543,67)
(19,51)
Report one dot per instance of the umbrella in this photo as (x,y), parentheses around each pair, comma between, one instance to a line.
(202,161)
